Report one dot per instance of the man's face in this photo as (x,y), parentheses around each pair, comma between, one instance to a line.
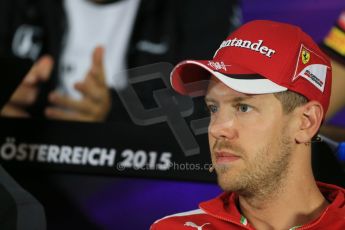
(249,139)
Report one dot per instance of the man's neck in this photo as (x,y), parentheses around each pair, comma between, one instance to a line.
(298,201)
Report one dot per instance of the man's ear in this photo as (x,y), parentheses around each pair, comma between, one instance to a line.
(310,116)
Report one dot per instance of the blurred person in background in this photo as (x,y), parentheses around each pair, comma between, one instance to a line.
(78,46)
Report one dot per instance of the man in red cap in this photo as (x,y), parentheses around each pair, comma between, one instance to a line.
(267,90)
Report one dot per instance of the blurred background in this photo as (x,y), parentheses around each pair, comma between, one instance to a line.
(92,197)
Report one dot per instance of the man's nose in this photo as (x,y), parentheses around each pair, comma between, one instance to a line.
(223,126)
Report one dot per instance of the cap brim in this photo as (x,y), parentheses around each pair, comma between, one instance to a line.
(191,77)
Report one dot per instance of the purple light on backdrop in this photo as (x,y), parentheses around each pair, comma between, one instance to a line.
(314,16)
(145,201)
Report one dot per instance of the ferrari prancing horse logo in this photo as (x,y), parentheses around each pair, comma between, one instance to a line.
(305,56)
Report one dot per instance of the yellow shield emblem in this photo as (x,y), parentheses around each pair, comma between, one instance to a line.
(305,56)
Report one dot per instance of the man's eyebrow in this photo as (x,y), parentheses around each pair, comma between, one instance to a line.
(233,100)
(208,99)
(242,98)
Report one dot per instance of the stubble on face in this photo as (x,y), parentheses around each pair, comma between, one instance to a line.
(262,175)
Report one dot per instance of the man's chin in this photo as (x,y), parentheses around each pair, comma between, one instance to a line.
(226,187)
(227,183)
(230,181)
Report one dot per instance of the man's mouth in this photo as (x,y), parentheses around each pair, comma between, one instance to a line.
(223,157)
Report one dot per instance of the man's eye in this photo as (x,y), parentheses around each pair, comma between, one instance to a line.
(212,108)
(244,108)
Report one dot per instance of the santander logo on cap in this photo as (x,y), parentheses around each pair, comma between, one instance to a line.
(255,46)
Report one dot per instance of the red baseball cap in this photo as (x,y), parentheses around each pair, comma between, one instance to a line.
(262,57)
